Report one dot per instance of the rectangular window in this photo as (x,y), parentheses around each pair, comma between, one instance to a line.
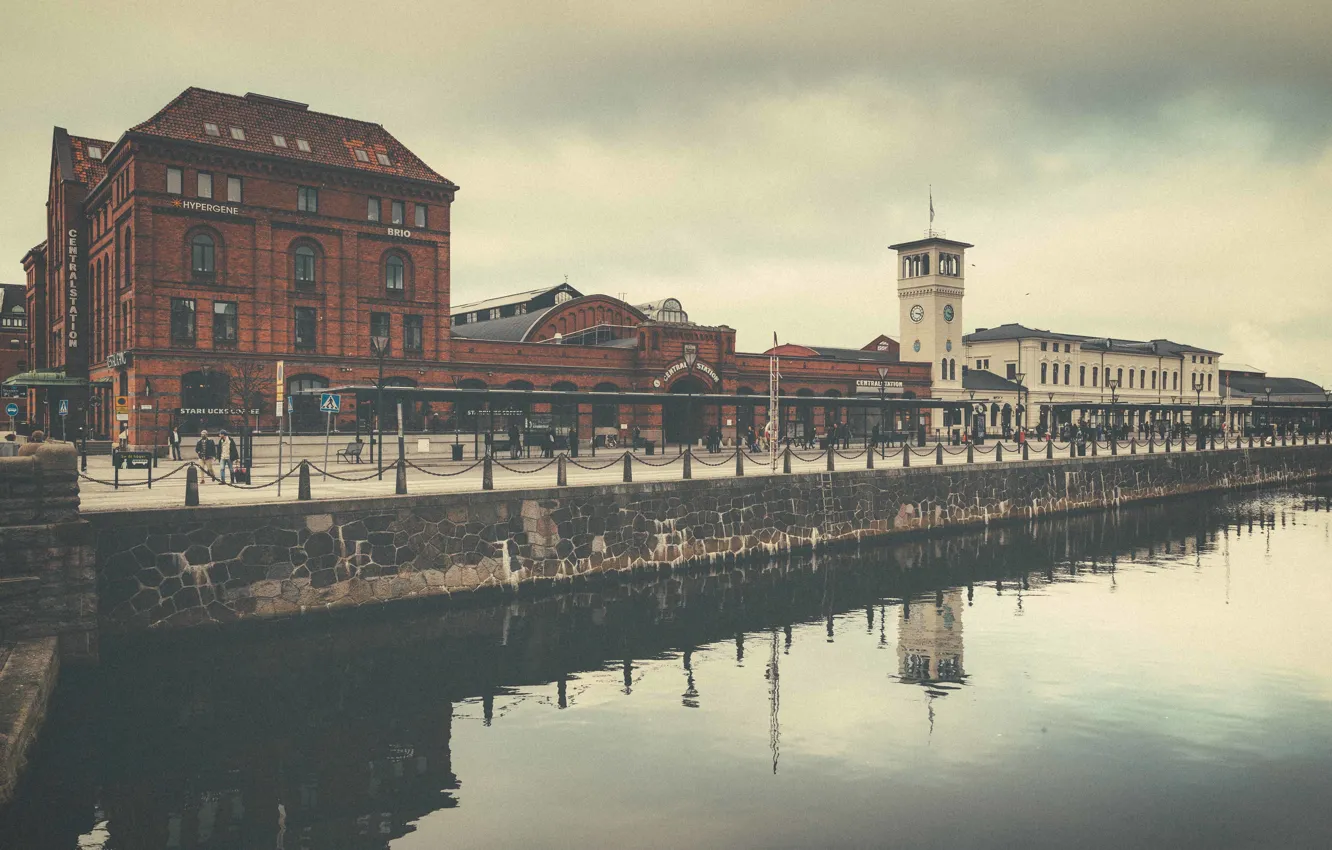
(224,323)
(205,185)
(413,336)
(94,152)
(307,199)
(372,210)
(238,134)
(1043,345)
(420,215)
(1012,371)
(397,217)
(302,145)
(305,328)
(182,321)
(494,312)
(280,141)
(175,181)
(361,156)
(234,190)
(211,129)
(1067,348)
(379,327)
(383,159)
(471,318)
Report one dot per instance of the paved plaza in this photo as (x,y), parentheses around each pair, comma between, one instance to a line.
(429,472)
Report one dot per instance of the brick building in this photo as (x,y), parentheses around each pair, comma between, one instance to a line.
(13,339)
(224,234)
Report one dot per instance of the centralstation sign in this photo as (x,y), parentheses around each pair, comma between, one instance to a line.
(889,387)
(699,366)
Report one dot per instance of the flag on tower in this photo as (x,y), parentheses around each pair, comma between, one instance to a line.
(931,205)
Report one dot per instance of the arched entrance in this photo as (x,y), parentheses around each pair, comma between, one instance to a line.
(682,418)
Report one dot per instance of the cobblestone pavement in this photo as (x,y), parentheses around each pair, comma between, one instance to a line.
(431,474)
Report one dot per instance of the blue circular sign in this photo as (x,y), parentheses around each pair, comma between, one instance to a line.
(11,409)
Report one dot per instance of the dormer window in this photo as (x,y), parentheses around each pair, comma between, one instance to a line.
(362,156)
(211,129)
(280,141)
(238,134)
(302,145)
(94,152)
(383,159)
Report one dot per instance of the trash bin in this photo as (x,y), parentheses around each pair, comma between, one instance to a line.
(456,451)
(423,446)
(650,447)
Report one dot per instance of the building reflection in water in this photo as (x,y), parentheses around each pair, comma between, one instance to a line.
(929,640)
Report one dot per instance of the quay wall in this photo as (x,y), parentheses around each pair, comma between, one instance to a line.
(191,566)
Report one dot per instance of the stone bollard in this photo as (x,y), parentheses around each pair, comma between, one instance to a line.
(971,452)
(487,473)
(1095,445)
(998,452)
(906,454)
(1049,449)
(831,451)
(628,467)
(1250,441)
(400,483)
(869,457)
(303,482)
(561,472)
(1114,446)
(688,462)
(192,487)
(1026,450)
(1306,442)
(938,454)
(786,459)
(1283,439)
(1133,446)
(739,461)
(1167,445)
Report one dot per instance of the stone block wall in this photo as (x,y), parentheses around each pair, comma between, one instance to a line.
(188,566)
(48,584)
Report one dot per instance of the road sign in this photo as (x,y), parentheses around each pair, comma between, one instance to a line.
(330,403)
(13,391)
(281,383)
(291,403)
(122,404)
(64,407)
(11,410)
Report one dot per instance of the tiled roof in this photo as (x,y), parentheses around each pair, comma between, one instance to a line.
(507,329)
(90,170)
(333,140)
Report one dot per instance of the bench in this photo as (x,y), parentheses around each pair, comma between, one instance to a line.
(351,454)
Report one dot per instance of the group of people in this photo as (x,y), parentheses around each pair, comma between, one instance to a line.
(224,449)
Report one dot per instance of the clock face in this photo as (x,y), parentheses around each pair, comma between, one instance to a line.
(948,312)
(915,346)
(917,313)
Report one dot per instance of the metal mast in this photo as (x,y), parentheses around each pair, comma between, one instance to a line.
(774,413)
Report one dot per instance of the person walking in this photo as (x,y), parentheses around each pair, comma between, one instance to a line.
(515,450)
(206,451)
(174,440)
(228,454)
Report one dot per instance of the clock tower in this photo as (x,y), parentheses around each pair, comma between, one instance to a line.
(930,284)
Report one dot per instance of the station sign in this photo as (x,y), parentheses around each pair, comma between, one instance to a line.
(889,387)
(699,366)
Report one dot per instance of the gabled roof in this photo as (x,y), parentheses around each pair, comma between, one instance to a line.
(13,295)
(987,381)
(512,298)
(1230,366)
(333,139)
(506,329)
(88,169)
(1012,330)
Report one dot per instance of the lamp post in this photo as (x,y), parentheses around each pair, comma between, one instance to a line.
(1113,384)
(1327,417)
(690,358)
(148,394)
(1022,423)
(380,344)
(1267,415)
(883,401)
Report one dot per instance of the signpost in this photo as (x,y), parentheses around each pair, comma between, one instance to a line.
(64,411)
(329,403)
(11,410)
(281,384)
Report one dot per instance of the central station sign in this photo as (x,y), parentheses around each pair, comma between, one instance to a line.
(680,366)
(889,387)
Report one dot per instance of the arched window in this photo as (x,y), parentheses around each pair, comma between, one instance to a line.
(1119,376)
(1153,379)
(305,267)
(1095,374)
(952,369)
(202,254)
(395,275)
(1142,379)
(129,257)
(1209,382)
(1174,380)
(1082,376)
(1044,369)
(1130,379)
(1068,373)
(943,369)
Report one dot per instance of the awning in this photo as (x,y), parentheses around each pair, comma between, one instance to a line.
(47,378)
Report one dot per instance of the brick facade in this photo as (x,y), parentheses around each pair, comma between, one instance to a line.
(143,205)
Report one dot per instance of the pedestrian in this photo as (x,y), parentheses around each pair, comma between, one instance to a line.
(206,451)
(35,440)
(515,450)
(846,436)
(228,454)
(549,448)
(174,439)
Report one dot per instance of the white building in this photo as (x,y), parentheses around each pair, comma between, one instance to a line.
(1031,376)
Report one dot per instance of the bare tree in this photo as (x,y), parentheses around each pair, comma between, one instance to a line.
(251,384)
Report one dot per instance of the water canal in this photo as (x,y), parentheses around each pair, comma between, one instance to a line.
(1155,677)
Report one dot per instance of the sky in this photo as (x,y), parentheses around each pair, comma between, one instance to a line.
(1136,169)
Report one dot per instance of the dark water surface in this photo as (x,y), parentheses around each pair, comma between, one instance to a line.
(1157,677)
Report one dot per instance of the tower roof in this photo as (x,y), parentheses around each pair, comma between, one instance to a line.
(929,240)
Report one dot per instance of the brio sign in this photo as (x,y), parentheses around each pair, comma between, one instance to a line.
(399,232)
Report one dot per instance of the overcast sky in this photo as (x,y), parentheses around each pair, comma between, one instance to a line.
(1137,168)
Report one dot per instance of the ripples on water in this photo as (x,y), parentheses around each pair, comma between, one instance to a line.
(1157,677)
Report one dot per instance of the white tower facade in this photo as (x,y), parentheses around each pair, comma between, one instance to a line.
(931,280)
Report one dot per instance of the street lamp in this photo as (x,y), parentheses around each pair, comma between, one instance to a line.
(148,394)
(883,402)
(690,358)
(1267,416)
(380,345)
(1018,376)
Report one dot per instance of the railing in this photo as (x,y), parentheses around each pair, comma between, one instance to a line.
(727,463)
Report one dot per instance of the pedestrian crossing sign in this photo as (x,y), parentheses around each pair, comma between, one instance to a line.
(64,407)
(330,403)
